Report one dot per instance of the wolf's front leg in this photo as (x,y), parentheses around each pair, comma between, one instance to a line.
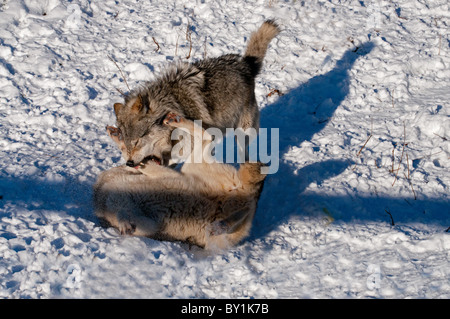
(175,120)
(125,225)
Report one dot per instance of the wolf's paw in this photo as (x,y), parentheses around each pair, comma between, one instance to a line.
(171,118)
(126,227)
(218,228)
(113,131)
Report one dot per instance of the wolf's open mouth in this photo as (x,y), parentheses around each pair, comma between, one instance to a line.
(151,158)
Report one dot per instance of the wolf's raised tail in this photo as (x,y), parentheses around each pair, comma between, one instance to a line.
(259,41)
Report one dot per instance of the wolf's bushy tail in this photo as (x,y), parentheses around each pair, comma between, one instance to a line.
(257,46)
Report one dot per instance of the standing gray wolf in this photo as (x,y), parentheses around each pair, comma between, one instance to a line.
(219,91)
(209,205)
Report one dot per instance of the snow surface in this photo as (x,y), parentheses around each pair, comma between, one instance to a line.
(359,79)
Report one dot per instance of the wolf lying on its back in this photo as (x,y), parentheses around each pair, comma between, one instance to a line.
(209,205)
(219,91)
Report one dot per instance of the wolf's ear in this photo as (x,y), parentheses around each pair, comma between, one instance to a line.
(137,105)
(117,107)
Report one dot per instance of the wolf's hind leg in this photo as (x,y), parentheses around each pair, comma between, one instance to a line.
(125,225)
(145,226)
(251,177)
(135,224)
(226,226)
(241,214)
(230,231)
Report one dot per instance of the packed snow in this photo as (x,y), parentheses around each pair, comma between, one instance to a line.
(359,90)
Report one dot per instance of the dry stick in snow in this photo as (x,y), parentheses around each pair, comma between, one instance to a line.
(407,165)
(409,177)
(120,91)
(392,98)
(392,219)
(403,151)
(443,137)
(410,184)
(188,38)
(275,91)
(120,70)
(370,136)
(357,155)
(367,140)
(440,35)
(440,43)
(393,159)
(157,44)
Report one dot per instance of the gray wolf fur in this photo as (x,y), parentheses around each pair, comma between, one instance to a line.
(219,91)
(208,205)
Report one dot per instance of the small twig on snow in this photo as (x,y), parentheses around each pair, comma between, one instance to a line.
(412,188)
(370,136)
(443,137)
(274,91)
(120,70)
(392,159)
(403,151)
(390,215)
(392,97)
(157,44)
(120,91)
(189,38)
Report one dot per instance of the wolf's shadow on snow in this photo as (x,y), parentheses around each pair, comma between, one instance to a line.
(299,115)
